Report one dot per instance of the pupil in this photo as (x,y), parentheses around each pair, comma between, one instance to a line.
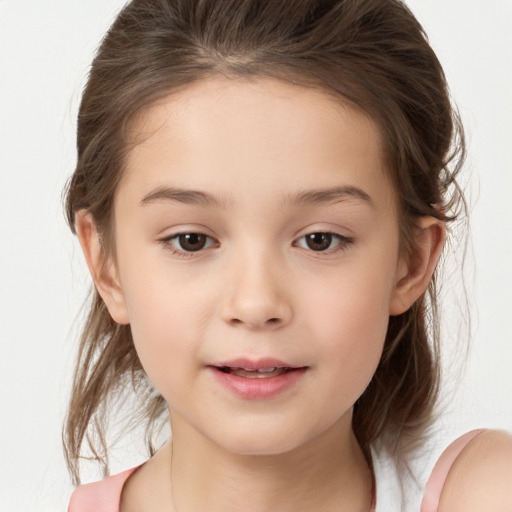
(192,241)
(319,241)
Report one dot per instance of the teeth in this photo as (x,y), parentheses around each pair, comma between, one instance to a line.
(259,370)
(259,373)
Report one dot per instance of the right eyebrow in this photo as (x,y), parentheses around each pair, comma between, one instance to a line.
(186,196)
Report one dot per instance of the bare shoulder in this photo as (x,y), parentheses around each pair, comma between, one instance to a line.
(481,476)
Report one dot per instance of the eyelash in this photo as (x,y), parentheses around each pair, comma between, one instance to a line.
(343,243)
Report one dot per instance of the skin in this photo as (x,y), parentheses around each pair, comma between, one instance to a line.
(257,289)
(481,475)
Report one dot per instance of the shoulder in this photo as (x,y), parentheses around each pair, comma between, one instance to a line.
(103,496)
(481,476)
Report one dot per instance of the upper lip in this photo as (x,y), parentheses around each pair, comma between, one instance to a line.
(254,364)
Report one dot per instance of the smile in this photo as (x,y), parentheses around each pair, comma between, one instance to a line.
(257,380)
(260,373)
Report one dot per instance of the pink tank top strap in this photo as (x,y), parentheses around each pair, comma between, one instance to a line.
(437,479)
(374,494)
(103,496)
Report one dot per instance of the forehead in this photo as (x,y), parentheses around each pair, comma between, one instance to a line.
(255,136)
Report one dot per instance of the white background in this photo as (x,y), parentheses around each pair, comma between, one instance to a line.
(45,50)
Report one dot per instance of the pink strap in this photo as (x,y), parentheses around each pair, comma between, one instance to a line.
(374,494)
(103,496)
(437,479)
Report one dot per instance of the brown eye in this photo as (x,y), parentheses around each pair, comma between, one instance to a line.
(319,241)
(186,244)
(324,241)
(192,241)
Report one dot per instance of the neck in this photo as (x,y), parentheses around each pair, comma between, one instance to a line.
(328,473)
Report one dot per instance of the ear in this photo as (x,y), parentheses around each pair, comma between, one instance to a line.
(103,272)
(413,276)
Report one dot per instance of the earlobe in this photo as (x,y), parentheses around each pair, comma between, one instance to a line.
(103,272)
(414,275)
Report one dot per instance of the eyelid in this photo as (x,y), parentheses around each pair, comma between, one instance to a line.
(343,241)
(167,242)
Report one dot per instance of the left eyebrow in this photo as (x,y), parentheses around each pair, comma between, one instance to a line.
(329,195)
(302,198)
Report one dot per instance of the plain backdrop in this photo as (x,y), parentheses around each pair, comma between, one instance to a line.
(45,51)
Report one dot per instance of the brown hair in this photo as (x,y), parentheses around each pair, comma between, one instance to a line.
(371,53)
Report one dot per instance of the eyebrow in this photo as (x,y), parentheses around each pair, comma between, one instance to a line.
(303,198)
(328,195)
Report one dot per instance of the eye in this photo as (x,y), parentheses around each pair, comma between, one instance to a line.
(322,241)
(183,243)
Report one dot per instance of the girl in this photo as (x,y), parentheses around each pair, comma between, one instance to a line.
(262,194)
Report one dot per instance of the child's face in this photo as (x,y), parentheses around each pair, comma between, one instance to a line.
(255,286)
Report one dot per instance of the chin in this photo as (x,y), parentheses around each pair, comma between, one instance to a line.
(261,448)
(262,440)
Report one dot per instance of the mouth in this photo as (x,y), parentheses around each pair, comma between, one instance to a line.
(256,373)
(257,380)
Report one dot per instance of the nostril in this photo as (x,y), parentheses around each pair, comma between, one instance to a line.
(269,321)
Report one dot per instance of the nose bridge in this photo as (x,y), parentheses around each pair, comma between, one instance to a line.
(256,294)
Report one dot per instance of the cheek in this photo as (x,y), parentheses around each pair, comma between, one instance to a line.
(167,319)
(354,328)
(351,324)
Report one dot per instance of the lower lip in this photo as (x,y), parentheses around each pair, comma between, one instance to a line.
(258,388)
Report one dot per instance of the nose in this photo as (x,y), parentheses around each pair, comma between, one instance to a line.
(256,297)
